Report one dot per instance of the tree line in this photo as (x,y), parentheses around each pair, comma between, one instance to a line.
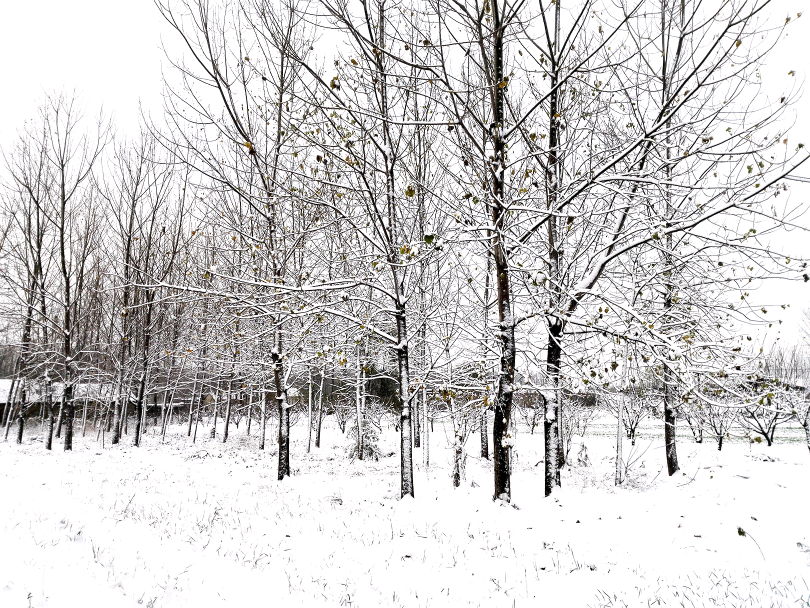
(464,201)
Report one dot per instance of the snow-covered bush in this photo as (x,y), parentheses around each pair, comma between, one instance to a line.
(370,442)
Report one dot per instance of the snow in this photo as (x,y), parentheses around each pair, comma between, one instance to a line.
(182,525)
(5,388)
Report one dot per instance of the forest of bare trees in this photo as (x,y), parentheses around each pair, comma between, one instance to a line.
(487,208)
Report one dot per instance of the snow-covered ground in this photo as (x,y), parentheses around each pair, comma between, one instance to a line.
(176,524)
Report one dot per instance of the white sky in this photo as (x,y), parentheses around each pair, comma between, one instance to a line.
(110,53)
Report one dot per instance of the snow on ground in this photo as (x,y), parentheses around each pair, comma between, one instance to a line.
(180,525)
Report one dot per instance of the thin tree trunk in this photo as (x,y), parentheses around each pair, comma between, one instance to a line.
(139,408)
(617,480)
(320,412)
(84,418)
(21,416)
(49,407)
(41,416)
(265,405)
(61,416)
(483,433)
(192,403)
(199,403)
(228,406)
(359,406)
(250,410)
(309,410)
(426,449)
(216,411)
(68,417)
(125,408)
(417,420)
(283,407)
(116,430)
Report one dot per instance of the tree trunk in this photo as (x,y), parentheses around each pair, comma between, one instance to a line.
(720,443)
(406,444)
(501,442)
(216,413)
(669,422)
(359,405)
(20,422)
(69,413)
(283,438)
(249,411)
(125,409)
(484,438)
(199,403)
(670,447)
(84,417)
(417,430)
(139,409)
(309,410)
(60,416)
(617,479)
(49,407)
(116,430)
(320,414)
(192,403)
(283,413)
(551,422)
(426,448)
(552,410)
(228,410)
(265,406)
(458,458)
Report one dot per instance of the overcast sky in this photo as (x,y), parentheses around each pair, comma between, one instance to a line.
(110,53)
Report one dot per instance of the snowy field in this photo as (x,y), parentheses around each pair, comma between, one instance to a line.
(182,525)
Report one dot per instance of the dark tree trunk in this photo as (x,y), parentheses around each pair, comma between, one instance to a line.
(283,434)
(69,414)
(320,415)
(501,442)
(669,422)
(417,427)
(228,411)
(61,416)
(551,408)
(265,409)
(192,405)
(49,408)
(249,410)
(139,404)
(20,423)
(116,423)
(484,438)
(216,414)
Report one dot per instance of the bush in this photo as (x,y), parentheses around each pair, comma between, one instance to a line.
(371,448)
